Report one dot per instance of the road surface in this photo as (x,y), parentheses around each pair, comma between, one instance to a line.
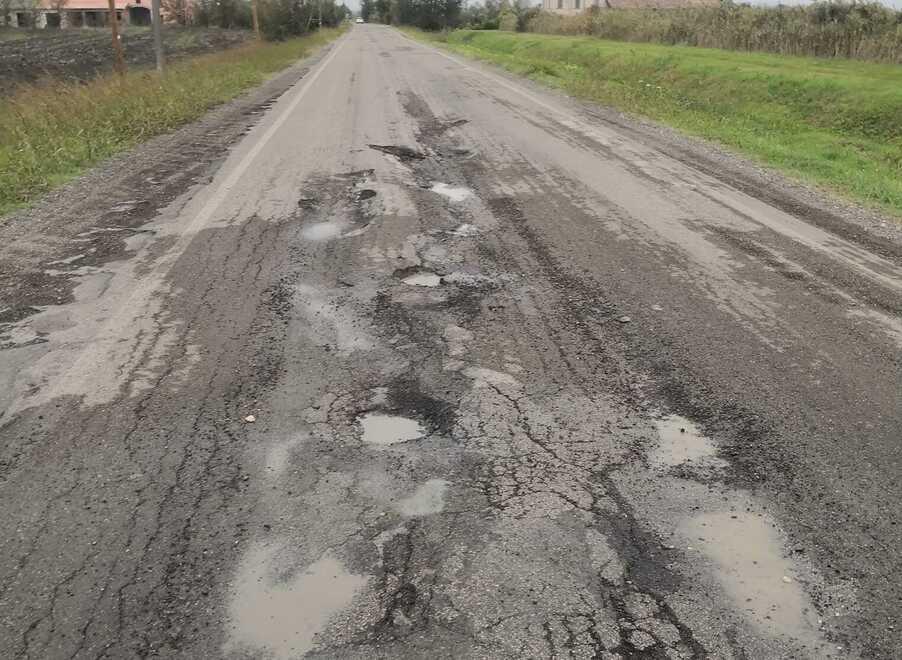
(438,365)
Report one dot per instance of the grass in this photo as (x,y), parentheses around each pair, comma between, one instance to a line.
(12,34)
(836,123)
(52,132)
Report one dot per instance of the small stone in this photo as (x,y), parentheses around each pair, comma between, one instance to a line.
(657,308)
(624,319)
(787,579)
(250,419)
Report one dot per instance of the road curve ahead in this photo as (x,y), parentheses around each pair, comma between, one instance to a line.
(440,365)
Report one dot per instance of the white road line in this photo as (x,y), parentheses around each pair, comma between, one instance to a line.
(226,186)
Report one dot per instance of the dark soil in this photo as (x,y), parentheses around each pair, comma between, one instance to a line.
(82,54)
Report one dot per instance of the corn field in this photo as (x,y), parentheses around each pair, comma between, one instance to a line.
(867,31)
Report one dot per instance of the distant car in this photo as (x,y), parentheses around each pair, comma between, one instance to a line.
(359,20)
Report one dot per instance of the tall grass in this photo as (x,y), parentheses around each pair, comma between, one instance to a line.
(865,30)
(52,131)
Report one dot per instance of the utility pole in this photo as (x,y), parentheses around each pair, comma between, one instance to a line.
(256,18)
(157,35)
(320,26)
(118,57)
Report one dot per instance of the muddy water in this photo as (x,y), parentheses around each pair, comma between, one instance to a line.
(323,231)
(381,429)
(278,615)
(423,279)
(681,442)
(751,565)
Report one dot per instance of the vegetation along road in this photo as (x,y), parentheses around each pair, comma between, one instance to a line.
(402,356)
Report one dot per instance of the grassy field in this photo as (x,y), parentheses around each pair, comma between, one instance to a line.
(837,123)
(12,34)
(50,133)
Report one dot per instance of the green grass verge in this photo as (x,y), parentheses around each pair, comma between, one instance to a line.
(50,133)
(836,123)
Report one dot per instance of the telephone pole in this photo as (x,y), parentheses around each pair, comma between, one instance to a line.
(157,34)
(118,57)
(256,18)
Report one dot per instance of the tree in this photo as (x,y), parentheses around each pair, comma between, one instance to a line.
(177,10)
(427,14)
(367,9)
(58,6)
(516,15)
(383,10)
(482,17)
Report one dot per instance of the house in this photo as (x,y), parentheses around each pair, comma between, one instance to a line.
(576,6)
(79,13)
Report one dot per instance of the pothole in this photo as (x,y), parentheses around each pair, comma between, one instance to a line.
(381,429)
(276,611)
(323,231)
(755,572)
(455,194)
(404,154)
(424,278)
(681,442)
(365,194)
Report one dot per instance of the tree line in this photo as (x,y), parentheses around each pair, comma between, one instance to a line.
(449,14)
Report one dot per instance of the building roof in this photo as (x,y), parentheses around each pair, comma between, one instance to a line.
(92,5)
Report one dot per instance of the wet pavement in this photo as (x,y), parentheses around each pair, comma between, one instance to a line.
(436,365)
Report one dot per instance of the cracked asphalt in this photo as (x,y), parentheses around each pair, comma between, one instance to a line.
(404,357)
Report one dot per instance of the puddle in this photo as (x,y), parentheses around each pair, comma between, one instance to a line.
(379,429)
(423,279)
(427,499)
(452,193)
(753,571)
(682,442)
(280,615)
(323,231)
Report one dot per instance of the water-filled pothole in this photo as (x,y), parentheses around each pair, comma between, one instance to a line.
(682,442)
(455,194)
(423,279)
(381,429)
(323,231)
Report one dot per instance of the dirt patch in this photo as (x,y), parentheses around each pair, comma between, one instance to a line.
(78,55)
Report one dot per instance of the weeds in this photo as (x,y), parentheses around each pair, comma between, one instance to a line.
(859,30)
(50,132)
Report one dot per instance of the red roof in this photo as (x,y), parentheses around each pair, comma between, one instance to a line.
(92,5)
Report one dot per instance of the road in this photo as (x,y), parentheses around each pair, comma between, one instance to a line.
(439,364)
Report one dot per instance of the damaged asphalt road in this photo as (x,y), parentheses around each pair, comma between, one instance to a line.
(434,364)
